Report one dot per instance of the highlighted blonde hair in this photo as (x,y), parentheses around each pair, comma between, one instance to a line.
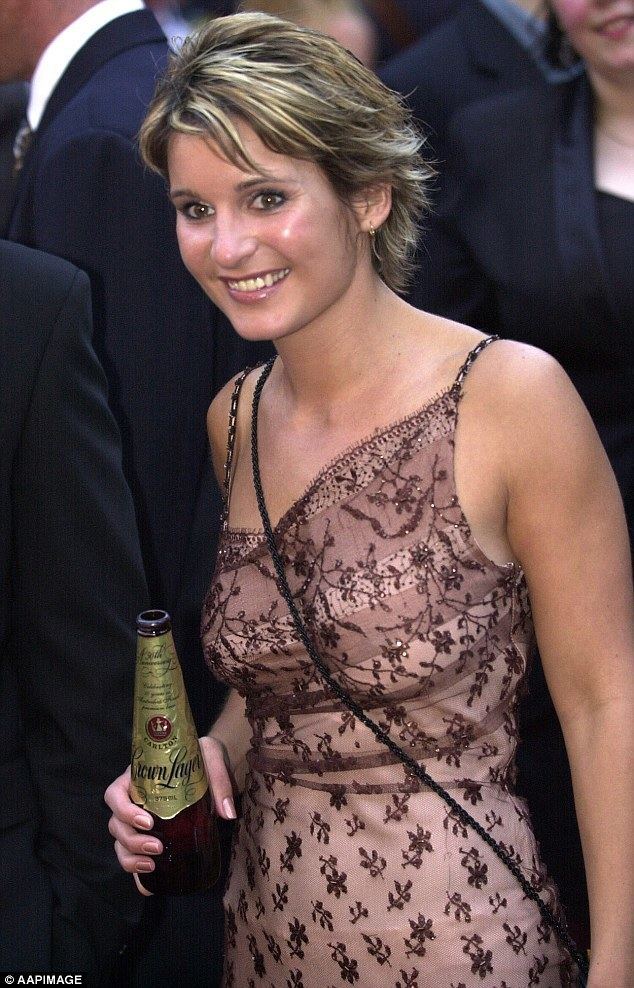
(305,97)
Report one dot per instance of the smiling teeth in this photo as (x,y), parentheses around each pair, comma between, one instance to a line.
(256,284)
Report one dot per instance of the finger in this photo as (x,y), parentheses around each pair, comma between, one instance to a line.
(219,777)
(117,797)
(133,862)
(132,840)
(140,887)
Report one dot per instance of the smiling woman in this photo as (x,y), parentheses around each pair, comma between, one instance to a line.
(295,100)
(424,492)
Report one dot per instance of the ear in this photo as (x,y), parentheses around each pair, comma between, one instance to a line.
(372,205)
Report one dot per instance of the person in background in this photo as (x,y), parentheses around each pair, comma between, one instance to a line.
(484,49)
(83,194)
(73,582)
(433,494)
(345,20)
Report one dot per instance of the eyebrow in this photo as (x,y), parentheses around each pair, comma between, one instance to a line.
(247,184)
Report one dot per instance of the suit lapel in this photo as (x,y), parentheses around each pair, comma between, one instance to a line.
(576,218)
(492,49)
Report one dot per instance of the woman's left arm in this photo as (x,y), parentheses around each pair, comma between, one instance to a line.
(566,525)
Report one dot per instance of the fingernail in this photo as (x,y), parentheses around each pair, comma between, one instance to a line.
(229,808)
(144,822)
(145,866)
(151,847)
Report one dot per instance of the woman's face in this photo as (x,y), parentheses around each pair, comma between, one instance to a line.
(602,31)
(273,247)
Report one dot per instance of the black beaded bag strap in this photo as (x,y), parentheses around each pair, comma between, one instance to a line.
(231,443)
(464,817)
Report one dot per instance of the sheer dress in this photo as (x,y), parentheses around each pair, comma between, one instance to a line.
(345,869)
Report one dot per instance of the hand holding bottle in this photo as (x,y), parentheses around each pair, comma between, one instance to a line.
(167,780)
(130,824)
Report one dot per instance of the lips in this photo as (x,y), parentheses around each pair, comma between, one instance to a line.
(257,282)
(617,27)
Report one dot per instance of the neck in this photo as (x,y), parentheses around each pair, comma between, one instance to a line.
(338,356)
(48,19)
(614,103)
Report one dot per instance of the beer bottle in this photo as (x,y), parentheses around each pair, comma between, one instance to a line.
(168,777)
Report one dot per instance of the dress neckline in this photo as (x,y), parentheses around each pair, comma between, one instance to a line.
(380,432)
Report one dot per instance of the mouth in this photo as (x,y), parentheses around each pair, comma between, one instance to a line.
(257,283)
(617,27)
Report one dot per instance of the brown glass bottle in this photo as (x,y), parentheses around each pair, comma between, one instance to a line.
(168,777)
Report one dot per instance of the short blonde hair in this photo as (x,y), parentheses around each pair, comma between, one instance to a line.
(305,97)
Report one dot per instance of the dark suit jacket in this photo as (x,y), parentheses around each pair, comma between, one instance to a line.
(84,195)
(468,57)
(72,583)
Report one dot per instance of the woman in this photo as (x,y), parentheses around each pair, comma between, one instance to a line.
(410,537)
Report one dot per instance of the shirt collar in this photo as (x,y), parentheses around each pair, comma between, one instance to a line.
(529,31)
(58,55)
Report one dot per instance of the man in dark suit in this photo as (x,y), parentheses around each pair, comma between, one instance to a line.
(72,582)
(469,56)
(83,194)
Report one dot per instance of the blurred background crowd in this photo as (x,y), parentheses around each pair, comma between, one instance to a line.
(528,108)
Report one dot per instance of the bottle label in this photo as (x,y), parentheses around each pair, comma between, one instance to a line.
(167,768)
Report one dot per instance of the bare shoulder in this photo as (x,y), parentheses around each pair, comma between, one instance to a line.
(218,419)
(521,406)
(546,439)
(520,386)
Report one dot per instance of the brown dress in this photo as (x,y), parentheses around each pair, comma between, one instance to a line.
(345,869)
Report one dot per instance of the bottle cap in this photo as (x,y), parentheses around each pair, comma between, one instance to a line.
(150,623)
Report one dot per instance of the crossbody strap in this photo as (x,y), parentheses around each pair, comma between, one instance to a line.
(465,818)
(231,443)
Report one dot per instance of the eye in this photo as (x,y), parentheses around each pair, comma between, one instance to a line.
(268,199)
(196,210)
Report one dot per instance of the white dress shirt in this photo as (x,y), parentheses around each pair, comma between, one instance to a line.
(58,55)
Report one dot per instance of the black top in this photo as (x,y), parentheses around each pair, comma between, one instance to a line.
(616,223)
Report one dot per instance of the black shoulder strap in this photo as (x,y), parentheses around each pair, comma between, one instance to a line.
(469,360)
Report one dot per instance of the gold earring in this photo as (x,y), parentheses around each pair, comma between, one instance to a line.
(372,232)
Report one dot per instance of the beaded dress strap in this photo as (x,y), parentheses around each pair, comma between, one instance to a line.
(231,442)
(470,358)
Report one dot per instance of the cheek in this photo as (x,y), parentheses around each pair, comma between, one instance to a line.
(572,14)
(295,233)
(192,245)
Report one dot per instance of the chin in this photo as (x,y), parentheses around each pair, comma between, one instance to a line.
(259,334)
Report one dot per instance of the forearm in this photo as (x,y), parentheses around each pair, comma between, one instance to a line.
(600,744)
(232,729)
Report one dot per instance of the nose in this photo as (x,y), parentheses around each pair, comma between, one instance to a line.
(232,242)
